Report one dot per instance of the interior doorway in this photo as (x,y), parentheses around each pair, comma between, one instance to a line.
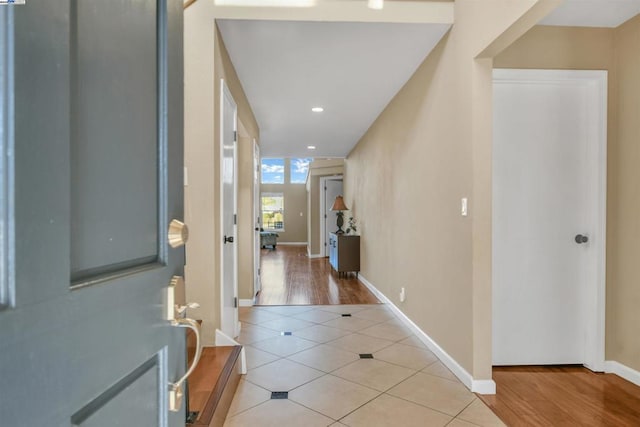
(549,188)
(228,207)
(257,218)
(330,188)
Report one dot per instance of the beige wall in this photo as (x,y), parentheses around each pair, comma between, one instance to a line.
(623,225)
(206,62)
(615,50)
(404,180)
(318,169)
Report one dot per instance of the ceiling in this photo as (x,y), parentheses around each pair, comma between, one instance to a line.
(352,70)
(593,13)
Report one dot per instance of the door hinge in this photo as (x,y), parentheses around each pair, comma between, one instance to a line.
(235,219)
(325,215)
(258,272)
(235,302)
(235,136)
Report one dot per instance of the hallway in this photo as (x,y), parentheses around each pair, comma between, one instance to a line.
(289,277)
(319,365)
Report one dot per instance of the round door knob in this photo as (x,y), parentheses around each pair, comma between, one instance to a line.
(581,239)
(178,233)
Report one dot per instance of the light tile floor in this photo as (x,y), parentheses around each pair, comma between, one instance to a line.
(329,385)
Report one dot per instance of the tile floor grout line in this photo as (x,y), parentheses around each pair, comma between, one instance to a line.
(338,419)
(470,403)
(251,407)
(331,343)
(416,403)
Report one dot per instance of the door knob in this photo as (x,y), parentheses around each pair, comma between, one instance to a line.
(178,233)
(228,239)
(581,239)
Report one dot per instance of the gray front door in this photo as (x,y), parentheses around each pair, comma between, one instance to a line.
(90,177)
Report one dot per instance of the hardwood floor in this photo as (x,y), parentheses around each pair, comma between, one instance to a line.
(289,277)
(563,396)
(213,384)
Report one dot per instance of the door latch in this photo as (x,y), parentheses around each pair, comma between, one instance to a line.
(227,239)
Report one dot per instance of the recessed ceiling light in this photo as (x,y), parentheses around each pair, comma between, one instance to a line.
(317,109)
(311,147)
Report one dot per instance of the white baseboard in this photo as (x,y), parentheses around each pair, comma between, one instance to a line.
(310,255)
(476,386)
(246,303)
(629,374)
(292,243)
(483,386)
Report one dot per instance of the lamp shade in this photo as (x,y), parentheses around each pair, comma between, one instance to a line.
(339,205)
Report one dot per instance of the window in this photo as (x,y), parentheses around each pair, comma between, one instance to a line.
(273,211)
(272,171)
(299,170)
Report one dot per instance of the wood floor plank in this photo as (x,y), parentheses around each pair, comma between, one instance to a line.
(290,277)
(563,396)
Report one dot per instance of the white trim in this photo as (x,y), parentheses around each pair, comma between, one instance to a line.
(323,221)
(483,386)
(293,243)
(226,93)
(476,386)
(623,371)
(245,302)
(310,255)
(256,219)
(596,296)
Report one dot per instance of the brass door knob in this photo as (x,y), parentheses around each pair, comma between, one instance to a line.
(178,233)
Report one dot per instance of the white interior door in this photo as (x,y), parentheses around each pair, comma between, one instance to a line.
(332,189)
(548,188)
(229,297)
(257,285)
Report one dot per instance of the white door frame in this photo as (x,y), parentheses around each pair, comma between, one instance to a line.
(323,210)
(256,217)
(597,84)
(226,93)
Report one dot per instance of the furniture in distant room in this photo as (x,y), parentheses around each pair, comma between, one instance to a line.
(344,253)
(268,238)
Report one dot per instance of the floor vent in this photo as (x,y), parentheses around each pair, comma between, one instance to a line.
(346,315)
(366,356)
(286,333)
(279,394)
